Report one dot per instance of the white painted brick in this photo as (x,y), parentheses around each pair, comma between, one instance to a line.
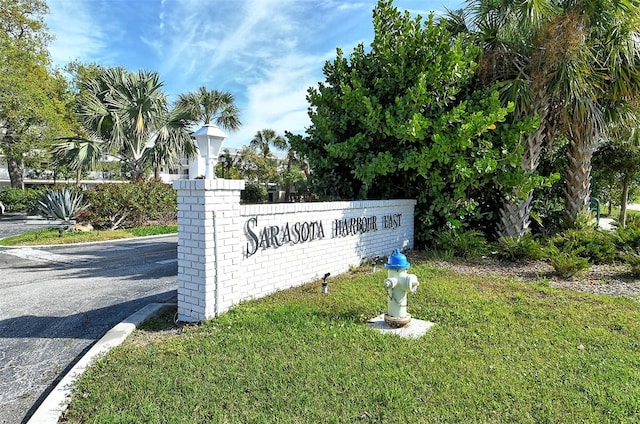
(269,269)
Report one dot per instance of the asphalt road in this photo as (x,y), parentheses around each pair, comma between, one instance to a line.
(55,302)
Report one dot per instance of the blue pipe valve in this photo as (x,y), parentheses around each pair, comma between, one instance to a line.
(398,284)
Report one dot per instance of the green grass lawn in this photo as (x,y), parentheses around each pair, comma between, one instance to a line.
(501,351)
(53,236)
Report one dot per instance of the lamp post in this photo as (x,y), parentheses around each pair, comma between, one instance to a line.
(209,139)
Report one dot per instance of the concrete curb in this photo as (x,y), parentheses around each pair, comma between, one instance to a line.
(87,243)
(29,219)
(51,409)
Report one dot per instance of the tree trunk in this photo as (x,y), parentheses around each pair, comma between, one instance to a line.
(16,171)
(515,217)
(515,213)
(137,171)
(578,178)
(623,203)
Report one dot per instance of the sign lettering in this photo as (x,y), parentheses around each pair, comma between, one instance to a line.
(275,236)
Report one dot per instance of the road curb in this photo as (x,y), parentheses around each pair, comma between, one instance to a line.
(51,409)
(87,243)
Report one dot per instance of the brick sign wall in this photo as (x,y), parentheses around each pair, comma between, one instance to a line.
(229,252)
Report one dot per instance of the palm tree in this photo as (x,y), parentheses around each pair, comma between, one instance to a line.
(566,63)
(598,76)
(128,113)
(294,163)
(211,106)
(227,162)
(265,139)
(171,140)
(259,152)
(78,154)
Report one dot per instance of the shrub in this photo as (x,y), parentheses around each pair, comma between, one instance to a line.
(17,200)
(130,205)
(519,248)
(463,244)
(566,263)
(632,258)
(253,193)
(61,204)
(585,220)
(547,216)
(160,202)
(629,236)
(599,246)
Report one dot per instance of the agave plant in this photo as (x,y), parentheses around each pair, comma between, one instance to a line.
(61,204)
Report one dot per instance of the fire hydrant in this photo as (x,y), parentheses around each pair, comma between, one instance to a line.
(398,284)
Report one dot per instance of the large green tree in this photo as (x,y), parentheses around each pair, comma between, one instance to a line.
(32,98)
(402,120)
(617,162)
(128,115)
(595,82)
(572,64)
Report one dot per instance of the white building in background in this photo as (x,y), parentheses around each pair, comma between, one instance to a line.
(188,169)
(196,167)
(47,177)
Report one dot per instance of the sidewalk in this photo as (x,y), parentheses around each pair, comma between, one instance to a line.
(608,223)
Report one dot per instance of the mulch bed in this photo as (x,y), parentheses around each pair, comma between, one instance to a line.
(613,280)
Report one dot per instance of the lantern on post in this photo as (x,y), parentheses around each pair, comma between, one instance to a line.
(209,139)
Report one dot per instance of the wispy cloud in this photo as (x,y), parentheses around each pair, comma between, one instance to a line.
(78,35)
(265,52)
(278,99)
(257,52)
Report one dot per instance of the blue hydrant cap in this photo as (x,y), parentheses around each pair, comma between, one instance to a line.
(397,261)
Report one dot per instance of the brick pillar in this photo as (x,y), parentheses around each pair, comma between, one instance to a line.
(208,211)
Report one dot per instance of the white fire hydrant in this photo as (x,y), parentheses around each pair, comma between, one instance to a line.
(398,284)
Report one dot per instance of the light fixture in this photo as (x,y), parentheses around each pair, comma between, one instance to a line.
(209,139)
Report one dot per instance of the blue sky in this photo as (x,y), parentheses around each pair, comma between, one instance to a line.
(267,53)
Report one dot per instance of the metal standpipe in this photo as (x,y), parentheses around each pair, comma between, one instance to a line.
(398,284)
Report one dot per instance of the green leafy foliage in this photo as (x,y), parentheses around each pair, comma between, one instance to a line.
(253,193)
(33,100)
(525,247)
(62,204)
(452,242)
(629,236)
(404,120)
(600,247)
(567,263)
(127,115)
(584,221)
(616,167)
(130,205)
(547,212)
(17,200)
(632,258)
